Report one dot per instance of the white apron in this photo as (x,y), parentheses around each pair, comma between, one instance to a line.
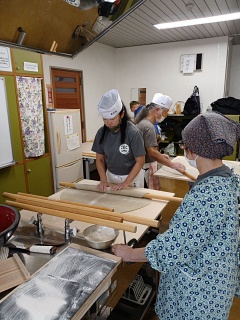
(137,182)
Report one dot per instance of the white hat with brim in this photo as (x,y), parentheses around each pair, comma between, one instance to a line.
(110,104)
(162,100)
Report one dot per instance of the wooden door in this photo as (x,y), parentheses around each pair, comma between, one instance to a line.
(67,92)
(142,96)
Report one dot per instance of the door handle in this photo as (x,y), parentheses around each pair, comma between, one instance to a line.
(28,170)
(58,141)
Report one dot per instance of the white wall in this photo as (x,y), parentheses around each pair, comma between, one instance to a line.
(157,68)
(234,90)
(98,64)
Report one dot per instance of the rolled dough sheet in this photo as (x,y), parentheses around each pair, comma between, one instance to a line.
(118,203)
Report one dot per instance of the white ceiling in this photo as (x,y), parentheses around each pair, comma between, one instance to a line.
(136,29)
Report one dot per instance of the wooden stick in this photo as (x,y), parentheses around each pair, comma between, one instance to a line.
(73,216)
(167,198)
(86,211)
(147,195)
(89,154)
(21,266)
(185,173)
(47,203)
(63,201)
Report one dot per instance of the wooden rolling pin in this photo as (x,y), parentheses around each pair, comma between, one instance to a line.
(64,201)
(146,195)
(46,203)
(72,208)
(89,154)
(185,173)
(73,216)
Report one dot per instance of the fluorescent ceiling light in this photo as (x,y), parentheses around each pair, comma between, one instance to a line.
(193,22)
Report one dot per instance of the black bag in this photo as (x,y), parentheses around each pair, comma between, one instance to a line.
(228,105)
(192,105)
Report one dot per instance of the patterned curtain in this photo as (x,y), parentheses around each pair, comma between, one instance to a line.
(31,115)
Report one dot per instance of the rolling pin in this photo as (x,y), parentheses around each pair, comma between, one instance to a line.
(185,173)
(125,192)
(73,216)
(47,203)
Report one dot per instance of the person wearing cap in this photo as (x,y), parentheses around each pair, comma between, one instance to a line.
(154,112)
(199,255)
(118,145)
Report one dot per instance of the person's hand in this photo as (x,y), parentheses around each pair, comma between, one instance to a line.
(178,166)
(102,186)
(122,251)
(119,186)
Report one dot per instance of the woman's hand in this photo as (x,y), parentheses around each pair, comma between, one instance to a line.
(178,166)
(129,254)
(102,186)
(119,186)
(122,251)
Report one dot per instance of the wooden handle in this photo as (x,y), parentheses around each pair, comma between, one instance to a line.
(89,154)
(73,216)
(67,184)
(64,201)
(167,198)
(185,173)
(85,211)
(58,141)
(146,195)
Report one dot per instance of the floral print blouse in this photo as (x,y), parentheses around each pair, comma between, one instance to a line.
(197,256)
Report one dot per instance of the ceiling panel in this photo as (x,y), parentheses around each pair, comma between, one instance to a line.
(137,28)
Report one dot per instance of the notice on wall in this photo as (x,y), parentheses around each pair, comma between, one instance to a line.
(49,96)
(73,141)
(68,124)
(5,59)
(30,66)
(188,64)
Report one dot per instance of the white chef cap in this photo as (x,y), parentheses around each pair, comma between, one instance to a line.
(110,104)
(162,100)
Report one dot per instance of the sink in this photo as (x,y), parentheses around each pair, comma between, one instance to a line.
(26,235)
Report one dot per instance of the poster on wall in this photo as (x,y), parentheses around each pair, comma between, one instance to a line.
(5,59)
(6,153)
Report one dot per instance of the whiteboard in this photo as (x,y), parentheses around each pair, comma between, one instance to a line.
(6,154)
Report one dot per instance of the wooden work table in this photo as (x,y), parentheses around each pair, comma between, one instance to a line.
(125,272)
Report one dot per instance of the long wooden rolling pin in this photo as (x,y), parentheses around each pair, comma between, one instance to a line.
(185,173)
(73,216)
(78,210)
(125,192)
(46,203)
(64,201)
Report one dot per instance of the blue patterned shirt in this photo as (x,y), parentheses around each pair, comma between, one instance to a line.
(197,256)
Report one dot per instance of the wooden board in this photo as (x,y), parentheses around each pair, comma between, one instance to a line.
(68,284)
(12,273)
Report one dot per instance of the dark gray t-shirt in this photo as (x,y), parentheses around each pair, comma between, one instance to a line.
(149,136)
(120,158)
